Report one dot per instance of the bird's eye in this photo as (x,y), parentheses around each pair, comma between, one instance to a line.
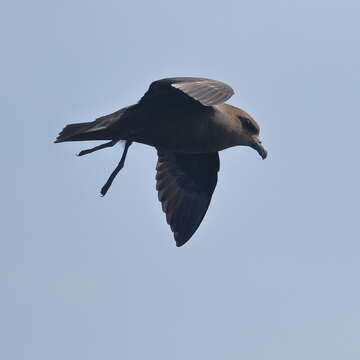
(248,124)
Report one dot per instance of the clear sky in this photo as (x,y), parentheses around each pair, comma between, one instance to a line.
(272,272)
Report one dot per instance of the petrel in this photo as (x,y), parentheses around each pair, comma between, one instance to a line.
(187,121)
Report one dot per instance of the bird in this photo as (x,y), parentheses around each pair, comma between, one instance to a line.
(188,122)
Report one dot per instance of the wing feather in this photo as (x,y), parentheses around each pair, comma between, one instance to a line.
(207,92)
(185,184)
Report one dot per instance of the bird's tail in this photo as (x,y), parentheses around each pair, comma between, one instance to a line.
(100,129)
(72,132)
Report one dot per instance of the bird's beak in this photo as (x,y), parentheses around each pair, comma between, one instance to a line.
(258,147)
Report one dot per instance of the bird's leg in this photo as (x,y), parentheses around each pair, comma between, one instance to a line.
(106,187)
(99,147)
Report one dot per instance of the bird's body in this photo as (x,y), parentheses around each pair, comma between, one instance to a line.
(186,120)
(214,128)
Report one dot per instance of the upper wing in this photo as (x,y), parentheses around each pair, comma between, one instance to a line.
(185,184)
(205,91)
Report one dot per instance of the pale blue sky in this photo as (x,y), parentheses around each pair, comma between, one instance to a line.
(273,271)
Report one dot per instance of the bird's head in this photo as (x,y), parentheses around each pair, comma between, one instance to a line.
(251,130)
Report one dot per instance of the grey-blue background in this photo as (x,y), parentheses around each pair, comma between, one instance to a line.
(273,271)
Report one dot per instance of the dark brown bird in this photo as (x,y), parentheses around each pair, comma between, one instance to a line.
(186,120)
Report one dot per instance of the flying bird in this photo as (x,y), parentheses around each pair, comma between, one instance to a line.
(187,121)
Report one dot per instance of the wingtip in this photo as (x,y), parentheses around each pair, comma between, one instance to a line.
(181,240)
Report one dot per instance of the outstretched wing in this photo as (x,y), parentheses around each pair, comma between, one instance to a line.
(185,184)
(205,91)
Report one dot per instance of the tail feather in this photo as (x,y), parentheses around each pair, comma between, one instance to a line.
(82,132)
(100,129)
(71,130)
